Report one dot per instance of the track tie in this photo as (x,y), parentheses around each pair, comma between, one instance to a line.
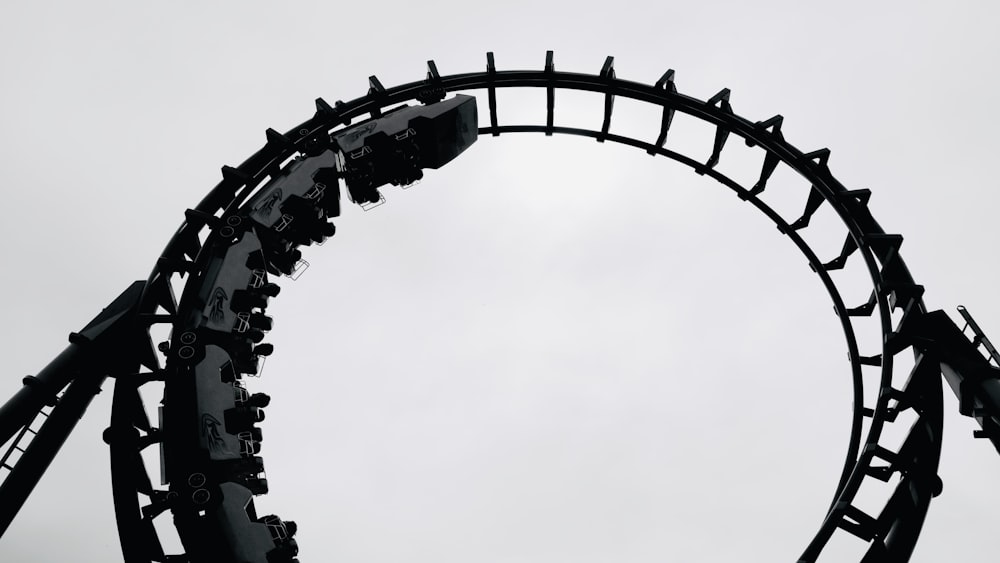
(821,156)
(877,451)
(434,91)
(856,521)
(149,376)
(891,413)
(984,434)
(608,70)
(160,503)
(550,95)
(491,71)
(863,310)
(149,319)
(812,205)
(903,296)
(902,398)
(153,437)
(721,133)
(882,473)
(188,242)
(898,341)
(200,218)
(770,160)
(375,93)
(720,97)
(175,265)
(163,293)
(324,110)
(770,164)
(772,123)
(432,72)
(837,263)
(875,360)
(608,74)
(236,175)
(861,196)
(885,246)
(277,139)
(665,83)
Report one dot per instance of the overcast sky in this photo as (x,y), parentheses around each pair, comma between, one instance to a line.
(550,350)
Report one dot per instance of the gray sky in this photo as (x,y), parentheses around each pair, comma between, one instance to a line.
(550,350)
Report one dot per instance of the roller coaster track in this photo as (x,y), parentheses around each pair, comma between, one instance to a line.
(907,472)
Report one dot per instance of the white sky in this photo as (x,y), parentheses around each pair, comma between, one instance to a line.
(550,350)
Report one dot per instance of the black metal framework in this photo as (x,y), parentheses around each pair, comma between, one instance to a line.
(937,345)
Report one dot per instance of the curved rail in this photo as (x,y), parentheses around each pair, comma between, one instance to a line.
(220,220)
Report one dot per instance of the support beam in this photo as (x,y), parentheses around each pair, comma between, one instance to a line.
(109,345)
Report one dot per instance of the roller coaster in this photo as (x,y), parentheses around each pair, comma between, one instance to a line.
(248,230)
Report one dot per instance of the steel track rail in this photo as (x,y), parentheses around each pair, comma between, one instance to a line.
(889,534)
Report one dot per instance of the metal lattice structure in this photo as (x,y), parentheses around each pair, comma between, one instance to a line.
(228,234)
